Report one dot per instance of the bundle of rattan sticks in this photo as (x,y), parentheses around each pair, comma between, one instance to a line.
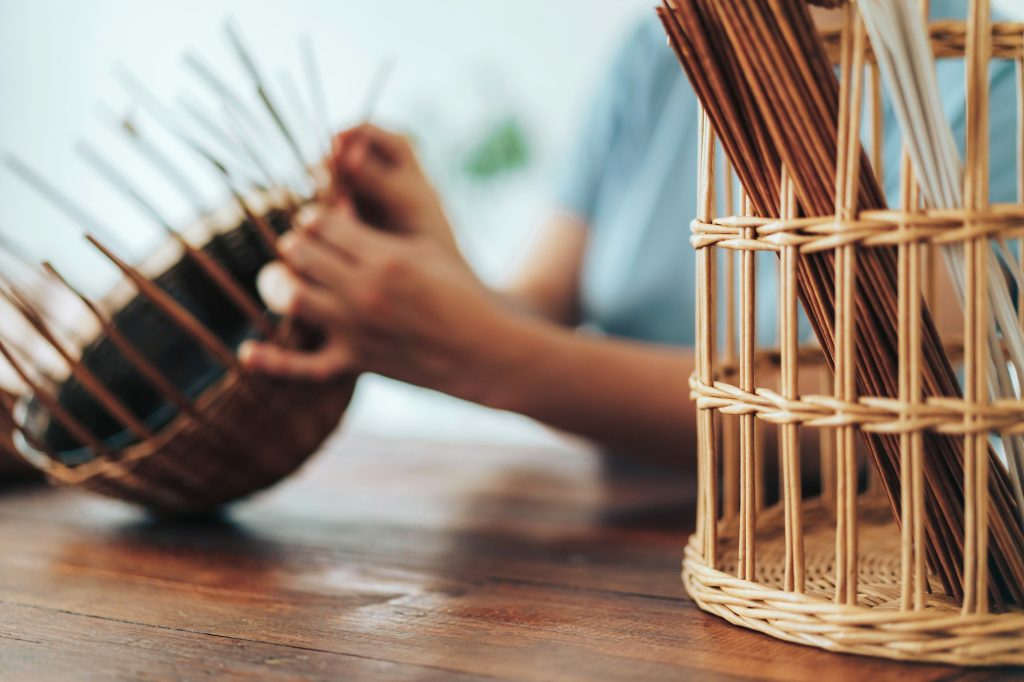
(772,97)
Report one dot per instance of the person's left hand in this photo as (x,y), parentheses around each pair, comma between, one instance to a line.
(398,305)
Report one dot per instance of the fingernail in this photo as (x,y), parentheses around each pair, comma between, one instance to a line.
(307,215)
(275,287)
(288,243)
(246,352)
(355,156)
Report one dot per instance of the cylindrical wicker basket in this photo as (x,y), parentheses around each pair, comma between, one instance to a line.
(836,570)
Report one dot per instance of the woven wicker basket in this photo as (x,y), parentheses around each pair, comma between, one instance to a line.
(834,571)
(245,433)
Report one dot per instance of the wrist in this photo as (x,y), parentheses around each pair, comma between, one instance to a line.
(514,352)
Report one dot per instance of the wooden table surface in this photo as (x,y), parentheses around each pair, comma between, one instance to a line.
(386,560)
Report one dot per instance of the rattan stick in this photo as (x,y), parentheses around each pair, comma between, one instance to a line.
(219,88)
(975,312)
(789,452)
(251,149)
(157,159)
(167,120)
(301,113)
(315,91)
(224,280)
(258,223)
(730,442)
(106,398)
(913,578)
(378,84)
(877,122)
(847,176)
(59,199)
(172,309)
(230,141)
(1017,465)
(748,440)
(705,329)
(265,97)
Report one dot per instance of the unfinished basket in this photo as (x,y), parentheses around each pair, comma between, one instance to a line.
(214,433)
(150,403)
(837,570)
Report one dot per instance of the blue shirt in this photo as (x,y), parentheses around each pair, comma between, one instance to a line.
(632,178)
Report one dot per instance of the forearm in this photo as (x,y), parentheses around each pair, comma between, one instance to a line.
(630,397)
(547,286)
(536,300)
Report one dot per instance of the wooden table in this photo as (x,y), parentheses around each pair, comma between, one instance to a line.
(386,560)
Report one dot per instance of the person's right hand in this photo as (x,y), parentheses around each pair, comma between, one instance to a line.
(379,171)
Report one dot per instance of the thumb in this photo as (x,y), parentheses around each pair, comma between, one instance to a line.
(328,362)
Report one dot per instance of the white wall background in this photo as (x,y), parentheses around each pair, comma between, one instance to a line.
(459,63)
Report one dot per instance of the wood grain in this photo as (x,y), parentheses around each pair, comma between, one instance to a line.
(386,560)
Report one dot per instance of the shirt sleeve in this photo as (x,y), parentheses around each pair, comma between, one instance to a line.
(578,184)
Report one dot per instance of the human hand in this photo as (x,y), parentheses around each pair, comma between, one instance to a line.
(399,305)
(380,173)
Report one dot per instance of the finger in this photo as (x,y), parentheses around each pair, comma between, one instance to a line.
(289,296)
(275,283)
(329,362)
(313,213)
(370,175)
(317,260)
(393,147)
(344,232)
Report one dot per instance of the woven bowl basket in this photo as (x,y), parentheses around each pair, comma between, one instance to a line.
(246,432)
(774,561)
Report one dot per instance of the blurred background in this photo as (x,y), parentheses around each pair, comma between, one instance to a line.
(491,92)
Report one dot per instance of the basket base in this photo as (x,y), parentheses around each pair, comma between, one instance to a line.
(876,626)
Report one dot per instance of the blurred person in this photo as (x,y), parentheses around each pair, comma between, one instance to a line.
(595,335)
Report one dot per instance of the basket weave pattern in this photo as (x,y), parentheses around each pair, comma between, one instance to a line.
(836,571)
(196,466)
